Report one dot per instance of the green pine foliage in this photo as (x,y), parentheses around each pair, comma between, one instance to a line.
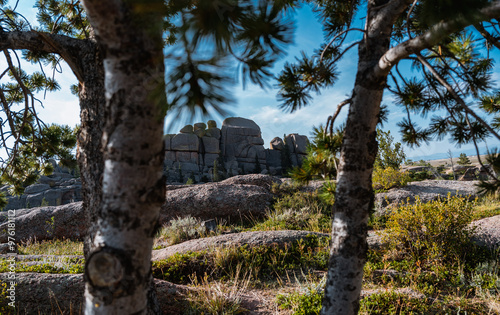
(254,34)
(321,160)
(463,159)
(390,154)
(31,158)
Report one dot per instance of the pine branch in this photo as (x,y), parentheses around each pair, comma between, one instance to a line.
(457,98)
(490,38)
(65,46)
(431,38)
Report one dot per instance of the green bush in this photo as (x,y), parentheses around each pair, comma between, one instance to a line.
(420,176)
(180,230)
(300,211)
(437,231)
(308,303)
(387,178)
(392,303)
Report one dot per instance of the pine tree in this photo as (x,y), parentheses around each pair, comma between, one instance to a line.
(463,159)
(434,37)
(389,154)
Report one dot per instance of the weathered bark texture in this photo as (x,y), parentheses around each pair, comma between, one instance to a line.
(90,156)
(118,269)
(354,195)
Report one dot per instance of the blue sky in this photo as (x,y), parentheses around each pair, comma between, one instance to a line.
(261,105)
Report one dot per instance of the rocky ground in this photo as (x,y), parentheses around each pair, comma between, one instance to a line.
(48,293)
(426,191)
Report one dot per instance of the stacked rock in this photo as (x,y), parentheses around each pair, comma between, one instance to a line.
(242,146)
(236,148)
(192,152)
(293,149)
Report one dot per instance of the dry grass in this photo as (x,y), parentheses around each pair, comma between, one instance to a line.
(215,297)
(52,247)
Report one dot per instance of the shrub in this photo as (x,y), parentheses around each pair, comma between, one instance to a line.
(387,178)
(486,278)
(299,211)
(307,303)
(180,230)
(435,231)
(392,303)
(327,192)
(420,176)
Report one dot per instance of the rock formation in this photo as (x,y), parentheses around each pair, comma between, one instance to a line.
(236,148)
(45,223)
(237,197)
(60,188)
(43,293)
(426,190)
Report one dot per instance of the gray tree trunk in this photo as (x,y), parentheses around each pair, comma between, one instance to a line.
(354,194)
(89,154)
(118,269)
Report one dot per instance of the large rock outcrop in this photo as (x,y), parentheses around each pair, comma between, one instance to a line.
(67,221)
(60,188)
(193,153)
(242,145)
(237,197)
(426,190)
(236,148)
(216,200)
(44,293)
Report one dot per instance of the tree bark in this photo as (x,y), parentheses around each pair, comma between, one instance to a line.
(354,194)
(89,154)
(118,270)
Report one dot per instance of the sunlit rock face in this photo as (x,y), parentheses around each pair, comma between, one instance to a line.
(236,148)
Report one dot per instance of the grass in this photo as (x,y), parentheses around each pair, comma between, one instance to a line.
(264,263)
(52,247)
(47,265)
(215,297)
(487,206)
(179,230)
(410,280)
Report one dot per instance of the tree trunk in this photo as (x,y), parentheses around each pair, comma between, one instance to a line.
(118,269)
(354,194)
(90,156)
